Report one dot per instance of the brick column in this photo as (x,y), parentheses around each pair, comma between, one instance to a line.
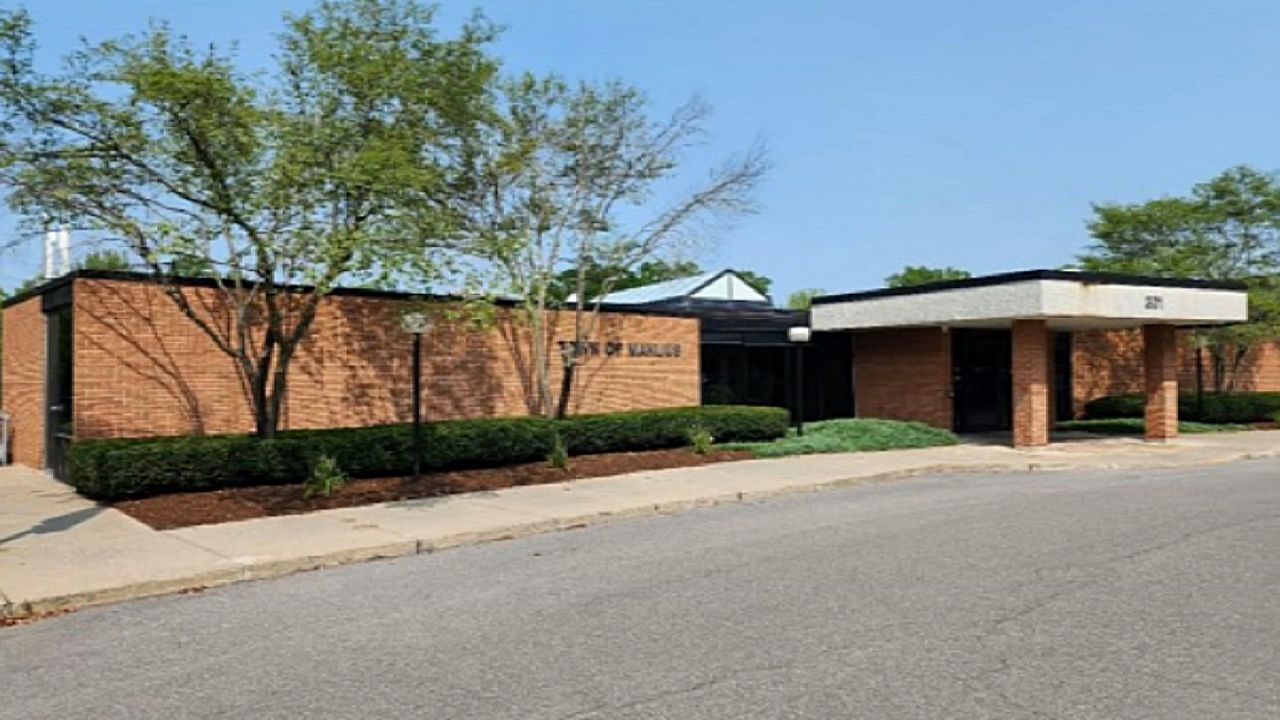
(1031,353)
(1160,353)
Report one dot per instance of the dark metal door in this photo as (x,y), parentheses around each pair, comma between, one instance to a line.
(982,380)
(1063,372)
(58,390)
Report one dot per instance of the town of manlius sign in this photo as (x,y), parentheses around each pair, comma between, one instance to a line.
(617,348)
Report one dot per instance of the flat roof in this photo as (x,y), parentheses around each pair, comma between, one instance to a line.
(748,314)
(1068,300)
(197,281)
(1081,276)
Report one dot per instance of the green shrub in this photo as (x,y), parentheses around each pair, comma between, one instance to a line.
(701,439)
(116,469)
(1137,426)
(1242,407)
(326,477)
(558,458)
(851,435)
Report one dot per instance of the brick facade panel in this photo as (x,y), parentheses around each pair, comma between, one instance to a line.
(1160,372)
(1110,362)
(22,392)
(1030,366)
(904,375)
(145,369)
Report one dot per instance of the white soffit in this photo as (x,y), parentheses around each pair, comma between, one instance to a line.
(1064,302)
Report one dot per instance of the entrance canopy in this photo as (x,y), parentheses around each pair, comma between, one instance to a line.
(1066,300)
(1001,367)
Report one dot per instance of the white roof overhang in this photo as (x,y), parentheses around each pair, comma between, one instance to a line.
(1067,300)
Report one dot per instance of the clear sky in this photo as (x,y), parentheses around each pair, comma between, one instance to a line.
(972,134)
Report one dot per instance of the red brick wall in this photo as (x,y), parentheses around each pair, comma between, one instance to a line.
(1030,366)
(1160,373)
(904,375)
(142,368)
(22,380)
(1109,362)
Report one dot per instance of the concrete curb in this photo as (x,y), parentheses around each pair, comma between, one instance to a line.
(22,609)
(249,568)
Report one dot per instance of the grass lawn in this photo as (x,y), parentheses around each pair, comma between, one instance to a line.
(1134,426)
(836,436)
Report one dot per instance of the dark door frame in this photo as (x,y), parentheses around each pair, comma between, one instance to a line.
(59,379)
(991,382)
(1063,377)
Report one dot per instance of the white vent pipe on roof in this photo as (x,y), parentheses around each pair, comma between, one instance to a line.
(57,252)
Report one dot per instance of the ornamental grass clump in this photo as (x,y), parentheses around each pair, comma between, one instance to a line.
(558,458)
(326,477)
(700,439)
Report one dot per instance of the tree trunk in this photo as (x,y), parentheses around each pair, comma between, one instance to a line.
(566,385)
(264,419)
(539,342)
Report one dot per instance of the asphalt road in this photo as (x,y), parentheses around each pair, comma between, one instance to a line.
(1150,595)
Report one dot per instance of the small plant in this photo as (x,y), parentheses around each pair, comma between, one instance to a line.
(558,458)
(326,477)
(701,439)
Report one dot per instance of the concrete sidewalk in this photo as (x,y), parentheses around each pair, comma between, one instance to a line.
(59,551)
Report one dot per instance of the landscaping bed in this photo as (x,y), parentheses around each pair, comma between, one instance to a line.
(174,510)
(132,469)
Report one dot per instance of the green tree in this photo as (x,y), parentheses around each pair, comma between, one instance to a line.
(1226,229)
(340,164)
(568,177)
(105,260)
(756,280)
(803,299)
(912,275)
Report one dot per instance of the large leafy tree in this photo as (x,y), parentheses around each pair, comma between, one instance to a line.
(338,165)
(803,299)
(759,281)
(1226,229)
(567,183)
(911,275)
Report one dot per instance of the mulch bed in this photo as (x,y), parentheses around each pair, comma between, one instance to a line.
(164,512)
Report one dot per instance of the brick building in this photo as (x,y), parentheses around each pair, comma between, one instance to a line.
(1018,351)
(107,355)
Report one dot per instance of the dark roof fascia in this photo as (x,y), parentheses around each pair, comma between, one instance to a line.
(1092,278)
(38,290)
(733,312)
(132,276)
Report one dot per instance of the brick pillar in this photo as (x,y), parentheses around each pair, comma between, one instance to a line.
(1031,352)
(1160,353)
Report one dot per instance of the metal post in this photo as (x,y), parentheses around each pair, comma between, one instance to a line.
(800,389)
(417,406)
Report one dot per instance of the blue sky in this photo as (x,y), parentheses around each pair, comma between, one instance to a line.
(942,133)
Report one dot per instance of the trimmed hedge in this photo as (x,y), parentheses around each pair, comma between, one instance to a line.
(131,468)
(1242,407)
